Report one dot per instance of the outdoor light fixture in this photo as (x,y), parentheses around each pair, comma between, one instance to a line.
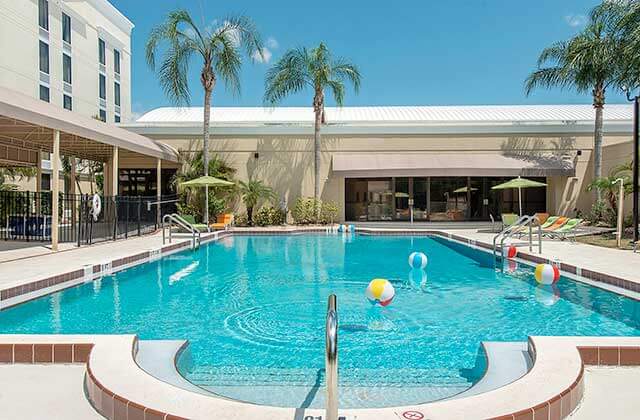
(636,153)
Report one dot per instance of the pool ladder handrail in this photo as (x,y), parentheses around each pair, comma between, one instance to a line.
(510,230)
(331,358)
(174,219)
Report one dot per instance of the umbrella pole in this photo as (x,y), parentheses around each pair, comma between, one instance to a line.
(520,200)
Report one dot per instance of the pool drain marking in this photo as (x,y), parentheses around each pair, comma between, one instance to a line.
(413,415)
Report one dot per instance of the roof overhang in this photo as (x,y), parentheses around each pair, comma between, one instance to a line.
(571,128)
(448,164)
(29,123)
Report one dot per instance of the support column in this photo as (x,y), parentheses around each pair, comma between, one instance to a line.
(38,182)
(158,190)
(55,189)
(114,172)
(72,189)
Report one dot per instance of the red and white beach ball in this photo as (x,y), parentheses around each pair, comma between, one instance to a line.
(380,292)
(510,252)
(547,274)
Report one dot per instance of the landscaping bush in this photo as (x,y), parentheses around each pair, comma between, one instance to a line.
(304,211)
(328,212)
(242,220)
(269,216)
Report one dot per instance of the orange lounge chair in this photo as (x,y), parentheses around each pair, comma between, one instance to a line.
(561,221)
(223,221)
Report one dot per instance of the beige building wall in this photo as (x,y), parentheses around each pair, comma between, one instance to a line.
(286,162)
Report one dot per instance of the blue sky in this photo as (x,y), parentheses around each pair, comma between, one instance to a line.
(411,52)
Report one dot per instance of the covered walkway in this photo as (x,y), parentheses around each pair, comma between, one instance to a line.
(30,127)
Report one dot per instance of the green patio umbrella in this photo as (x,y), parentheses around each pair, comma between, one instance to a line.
(519,183)
(206,181)
(464,190)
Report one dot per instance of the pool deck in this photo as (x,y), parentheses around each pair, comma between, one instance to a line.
(114,381)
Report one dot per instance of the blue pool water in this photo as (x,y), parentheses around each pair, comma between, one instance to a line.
(253,309)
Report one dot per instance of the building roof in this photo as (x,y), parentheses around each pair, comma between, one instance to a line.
(28,123)
(398,119)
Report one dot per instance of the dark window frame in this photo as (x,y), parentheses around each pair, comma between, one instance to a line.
(67,75)
(66,28)
(67,99)
(102,86)
(45,93)
(43,14)
(116,93)
(102,51)
(43,49)
(116,61)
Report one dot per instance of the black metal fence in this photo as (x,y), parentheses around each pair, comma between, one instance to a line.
(26,216)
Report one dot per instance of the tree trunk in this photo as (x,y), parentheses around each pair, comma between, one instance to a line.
(318,109)
(250,215)
(598,104)
(207,79)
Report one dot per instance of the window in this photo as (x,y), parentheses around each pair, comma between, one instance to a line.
(116,61)
(44,93)
(117,119)
(116,91)
(44,57)
(103,115)
(66,68)
(66,28)
(43,14)
(45,182)
(103,87)
(67,103)
(101,51)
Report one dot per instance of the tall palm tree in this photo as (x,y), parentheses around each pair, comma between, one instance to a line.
(591,62)
(220,50)
(318,70)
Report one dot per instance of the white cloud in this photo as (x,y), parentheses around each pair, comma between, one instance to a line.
(272,43)
(267,51)
(265,57)
(576,21)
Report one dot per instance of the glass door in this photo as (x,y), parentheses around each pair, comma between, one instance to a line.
(380,203)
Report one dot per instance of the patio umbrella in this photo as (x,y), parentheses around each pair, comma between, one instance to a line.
(464,190)
(206,181)
(519,183)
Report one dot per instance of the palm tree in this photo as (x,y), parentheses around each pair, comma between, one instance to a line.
(252,192)
(590,62)
(317,70)
(219,49)
(609,185)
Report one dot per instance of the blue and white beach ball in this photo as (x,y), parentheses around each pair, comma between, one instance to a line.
(380,292)
(418,260)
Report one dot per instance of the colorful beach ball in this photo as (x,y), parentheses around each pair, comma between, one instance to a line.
(418,260)
(380,292)
(547,274)
(510,252)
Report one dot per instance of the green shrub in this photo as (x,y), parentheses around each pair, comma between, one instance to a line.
(304,211)
(328,212)
(241,220)
(269,216)
(217,206)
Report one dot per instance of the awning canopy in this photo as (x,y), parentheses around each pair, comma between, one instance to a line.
(448,164)
(27,125)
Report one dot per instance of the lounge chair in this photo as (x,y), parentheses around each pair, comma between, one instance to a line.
(556,224)
(192,221)
(223,221)
(508,219)
(569,228)
(550,221)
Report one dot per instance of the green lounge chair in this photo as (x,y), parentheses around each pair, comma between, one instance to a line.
(565,230)
(192,221)
(508,219)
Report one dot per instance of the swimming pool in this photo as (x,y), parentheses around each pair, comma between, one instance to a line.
(253,309)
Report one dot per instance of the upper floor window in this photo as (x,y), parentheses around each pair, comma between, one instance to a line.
(116,118)
(66,68)
(101,51)
(44,93)
(102,114)
(43,14)
(66,28)
(103,87)
(116,61)
(67,102)
(116,91)
(44,57)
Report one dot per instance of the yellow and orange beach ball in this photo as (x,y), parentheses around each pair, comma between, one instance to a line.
(547,274)
(380,292)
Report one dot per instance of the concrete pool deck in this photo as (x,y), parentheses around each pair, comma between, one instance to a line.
(556,376)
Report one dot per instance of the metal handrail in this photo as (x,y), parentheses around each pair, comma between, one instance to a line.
(331,359)
(176,219)
(508,231)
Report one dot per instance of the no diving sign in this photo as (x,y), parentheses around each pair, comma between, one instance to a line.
(412,415)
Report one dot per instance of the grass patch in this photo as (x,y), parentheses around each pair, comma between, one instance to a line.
(606,240)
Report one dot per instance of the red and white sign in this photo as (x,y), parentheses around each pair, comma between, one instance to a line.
(413,415)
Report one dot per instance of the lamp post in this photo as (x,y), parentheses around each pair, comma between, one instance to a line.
(636,153)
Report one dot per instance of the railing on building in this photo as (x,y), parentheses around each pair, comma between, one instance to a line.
(26,216)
